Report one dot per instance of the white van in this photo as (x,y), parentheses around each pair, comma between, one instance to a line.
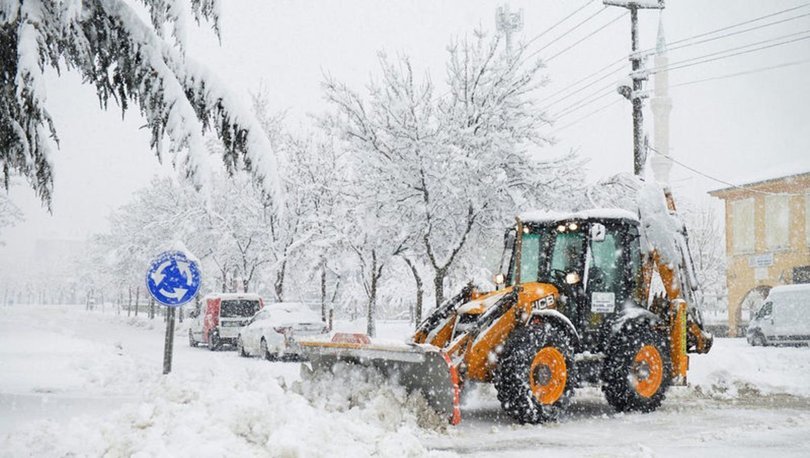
(784,318)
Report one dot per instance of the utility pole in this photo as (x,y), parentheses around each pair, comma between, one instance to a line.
(638,76)
(507,23)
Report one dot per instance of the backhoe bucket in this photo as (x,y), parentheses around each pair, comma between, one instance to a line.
(417,367)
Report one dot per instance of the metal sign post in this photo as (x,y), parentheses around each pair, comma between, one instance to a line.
(168,344)
(173,280)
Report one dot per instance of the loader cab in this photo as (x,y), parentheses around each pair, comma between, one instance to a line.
(593,258)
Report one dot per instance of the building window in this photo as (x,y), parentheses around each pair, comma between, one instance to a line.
(777,222)
(742,225)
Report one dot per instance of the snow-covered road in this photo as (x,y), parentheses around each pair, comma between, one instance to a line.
(90,384)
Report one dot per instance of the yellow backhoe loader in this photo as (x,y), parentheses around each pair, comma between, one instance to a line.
(572,307)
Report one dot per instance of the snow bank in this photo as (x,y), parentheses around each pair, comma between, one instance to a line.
(241,414)
(734,369)
(231,406)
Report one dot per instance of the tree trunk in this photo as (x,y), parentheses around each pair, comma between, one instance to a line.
(278,285)
(129,301)
(417,315)
(372,300)
(438,285)
(152,308)
(323,291)
(137,299)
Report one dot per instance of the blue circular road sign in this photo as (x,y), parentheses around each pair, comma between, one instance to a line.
(173,279)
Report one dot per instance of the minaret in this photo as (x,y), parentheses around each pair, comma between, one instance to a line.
(661,106)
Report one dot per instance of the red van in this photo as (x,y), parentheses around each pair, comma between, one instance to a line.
(220,317)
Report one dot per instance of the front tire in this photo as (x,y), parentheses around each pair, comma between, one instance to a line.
(637,371)
(240,347)
(266,351)
(534,377)
(759,340)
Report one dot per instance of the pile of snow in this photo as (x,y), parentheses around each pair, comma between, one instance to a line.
(367,392)
(242,413)
(733,369)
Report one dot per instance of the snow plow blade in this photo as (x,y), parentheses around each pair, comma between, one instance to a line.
(417,367)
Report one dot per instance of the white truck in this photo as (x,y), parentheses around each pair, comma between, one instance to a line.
(783,319)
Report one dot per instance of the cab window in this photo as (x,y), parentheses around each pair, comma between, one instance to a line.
(603,271)
(568,250)
(529,259)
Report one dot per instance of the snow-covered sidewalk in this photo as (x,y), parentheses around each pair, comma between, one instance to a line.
(89,384)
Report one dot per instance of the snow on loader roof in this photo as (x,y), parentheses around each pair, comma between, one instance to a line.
(548,216)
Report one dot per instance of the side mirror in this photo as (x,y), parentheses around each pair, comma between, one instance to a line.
(598,232)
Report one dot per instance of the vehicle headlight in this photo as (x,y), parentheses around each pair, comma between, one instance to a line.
(544,302)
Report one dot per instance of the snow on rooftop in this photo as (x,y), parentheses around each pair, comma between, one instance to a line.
(773,172)
(543,216)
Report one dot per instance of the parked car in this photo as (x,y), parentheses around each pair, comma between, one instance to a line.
(272,332)
(220,317)
(784,318)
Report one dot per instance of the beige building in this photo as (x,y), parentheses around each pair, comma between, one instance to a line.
(767,240)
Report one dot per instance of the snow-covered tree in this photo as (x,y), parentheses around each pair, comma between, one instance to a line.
(131,62)
(456,166)
(708,253)
(159,214)
(317,184)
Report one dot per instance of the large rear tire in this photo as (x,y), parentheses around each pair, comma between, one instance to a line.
(637,370)
(534,376)
(191,341)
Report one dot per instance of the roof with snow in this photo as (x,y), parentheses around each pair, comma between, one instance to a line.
(798,180)
(546,216)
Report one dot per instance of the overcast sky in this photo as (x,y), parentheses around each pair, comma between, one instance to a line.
(735,129)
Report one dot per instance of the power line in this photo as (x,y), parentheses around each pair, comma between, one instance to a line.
(552,103)
(684,63)
(718,180)
(549,59)
(672,48)
(599,94)
(586,116)
(564,34)
(612,64)
(732,26)
(541,34)
(748,72)
(686,83)
(587,100)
